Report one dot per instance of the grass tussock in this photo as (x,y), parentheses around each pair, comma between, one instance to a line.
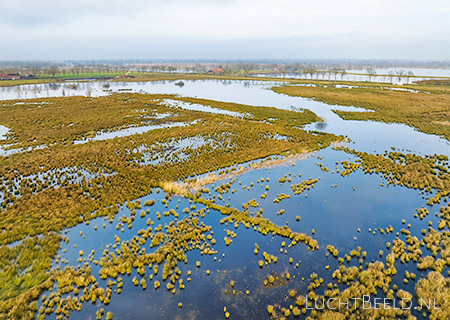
(80,182)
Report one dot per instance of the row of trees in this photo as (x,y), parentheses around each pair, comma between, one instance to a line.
(307,71)
(87,70)
(338,73)
(398,74)
(76,68)
(65,71)
(325,74)
(310,72)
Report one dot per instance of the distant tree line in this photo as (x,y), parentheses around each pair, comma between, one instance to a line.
(333,71)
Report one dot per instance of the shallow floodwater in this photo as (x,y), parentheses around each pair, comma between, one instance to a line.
(3,131)
(423,72)
(325,209)
(335,208)
(367,136)
(382,75)
(376,137)
(130,131)
(199,107)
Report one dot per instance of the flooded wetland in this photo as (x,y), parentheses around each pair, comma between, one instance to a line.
(224,199)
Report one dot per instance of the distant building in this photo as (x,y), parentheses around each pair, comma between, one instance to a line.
(9,76)
(216,71)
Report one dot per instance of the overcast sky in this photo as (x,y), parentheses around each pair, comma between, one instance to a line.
(224,29)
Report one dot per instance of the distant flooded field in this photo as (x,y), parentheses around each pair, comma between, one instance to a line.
(385,75)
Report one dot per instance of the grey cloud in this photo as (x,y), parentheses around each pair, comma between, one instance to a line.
(233,29)
(48,12)
(333,46)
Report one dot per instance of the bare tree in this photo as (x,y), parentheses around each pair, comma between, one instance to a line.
(391,75)
(34,70)
(53,70)
(371,73)
(399,73)
(311,72)
(305,73)
(409,75)
(343,72)
(171,69)
(335,71)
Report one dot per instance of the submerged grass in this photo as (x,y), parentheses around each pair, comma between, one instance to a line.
(429,253)
(35,212)
(34,207)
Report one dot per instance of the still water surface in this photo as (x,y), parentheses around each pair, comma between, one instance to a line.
(366,135)
(335,208)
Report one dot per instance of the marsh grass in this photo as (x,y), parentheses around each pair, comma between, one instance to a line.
(429,254)
(32,208)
